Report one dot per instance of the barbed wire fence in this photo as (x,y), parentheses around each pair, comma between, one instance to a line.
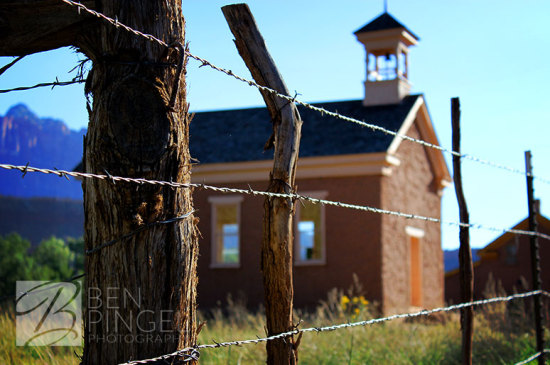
(193,353)
(63,173)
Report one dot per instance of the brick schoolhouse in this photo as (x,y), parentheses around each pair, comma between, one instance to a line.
(399,262)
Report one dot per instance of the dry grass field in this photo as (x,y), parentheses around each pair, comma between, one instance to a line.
(503,335)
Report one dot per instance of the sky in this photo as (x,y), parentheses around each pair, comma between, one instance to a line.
(492,54)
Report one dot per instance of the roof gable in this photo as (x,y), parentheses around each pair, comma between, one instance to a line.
(507,236)
(420,116)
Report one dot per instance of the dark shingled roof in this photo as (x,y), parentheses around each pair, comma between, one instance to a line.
(384,21)
(240,135)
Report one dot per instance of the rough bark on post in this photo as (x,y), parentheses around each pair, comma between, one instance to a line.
(278,227)
(144,285)
(466,270)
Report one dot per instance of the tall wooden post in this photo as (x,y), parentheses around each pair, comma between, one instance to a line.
(278,227)
(466,270)
(535,258)
(141,291)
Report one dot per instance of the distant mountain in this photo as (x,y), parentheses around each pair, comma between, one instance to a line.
(36,219)
(42,142)
(450,258)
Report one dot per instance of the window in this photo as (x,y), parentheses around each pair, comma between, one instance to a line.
(415,235)
(511,251)
(309,239)
(226,231)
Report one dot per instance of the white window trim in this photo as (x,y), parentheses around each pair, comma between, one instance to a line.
(222,200)
(323,260)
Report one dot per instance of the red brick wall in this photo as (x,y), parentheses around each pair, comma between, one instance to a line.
(411,189)
(352,245)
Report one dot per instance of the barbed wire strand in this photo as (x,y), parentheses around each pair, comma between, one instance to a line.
(62,173)
(140,229)
(532,357)
(52,84)
(321,110)
(114,22)
(341,326)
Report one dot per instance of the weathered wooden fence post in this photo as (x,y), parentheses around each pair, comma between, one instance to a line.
(535,258)
(278,227)
(145,286)
(466,270)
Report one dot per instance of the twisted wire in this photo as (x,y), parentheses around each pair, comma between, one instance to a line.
(52,84)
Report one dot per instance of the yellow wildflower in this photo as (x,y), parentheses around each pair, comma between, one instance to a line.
(345,299)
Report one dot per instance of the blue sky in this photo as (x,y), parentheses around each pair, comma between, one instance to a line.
(492,54)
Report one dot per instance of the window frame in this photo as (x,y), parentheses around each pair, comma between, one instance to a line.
(296,248)
(215,201)
(511,251)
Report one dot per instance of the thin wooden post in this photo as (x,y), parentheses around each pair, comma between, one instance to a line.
(466,270)
(278,227)
(535,257)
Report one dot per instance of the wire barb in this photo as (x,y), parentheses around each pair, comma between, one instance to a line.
(193,356)
(25,170)
(110,177)
(60,173)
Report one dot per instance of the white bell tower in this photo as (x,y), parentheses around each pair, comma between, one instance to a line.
(387,45)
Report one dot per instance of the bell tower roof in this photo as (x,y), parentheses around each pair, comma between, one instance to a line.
(386,43)
(383,22)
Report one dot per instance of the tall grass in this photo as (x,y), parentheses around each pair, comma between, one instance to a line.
(31,355)
(503,335)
